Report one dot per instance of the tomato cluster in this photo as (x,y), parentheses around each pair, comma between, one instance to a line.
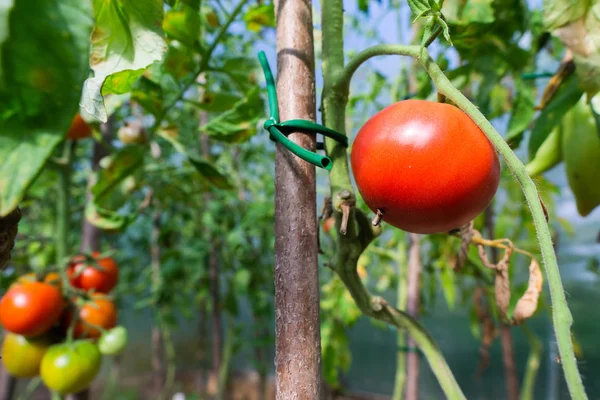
(60,329)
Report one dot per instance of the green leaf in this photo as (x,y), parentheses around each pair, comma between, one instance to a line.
(44,63)
(5,7)
(418,7)
(560,12)
(183,25)
(238,123)
(207,170)
(260,16)
(107,219)
(117,167)
(470,12)
(564,99)
(523,112)
(127,38)
(217,102)
(448,285)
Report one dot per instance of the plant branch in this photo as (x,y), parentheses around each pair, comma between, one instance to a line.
(561,315)
(360,232)
(204,66)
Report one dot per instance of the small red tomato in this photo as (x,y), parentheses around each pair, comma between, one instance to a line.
(89,277)
(426,166)
(30,308)
(79,129)
(328,224)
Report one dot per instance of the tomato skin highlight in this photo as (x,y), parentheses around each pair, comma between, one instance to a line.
(425,165)
(79,128)
(101,312)
(87,277)
(30,309)
(22,357)
(70,367)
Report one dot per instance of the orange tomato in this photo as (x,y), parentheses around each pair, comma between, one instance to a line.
(79,129)
(87,277)
(52,278)
(30,308)
(101,312)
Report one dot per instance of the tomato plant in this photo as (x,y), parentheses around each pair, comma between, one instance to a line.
(22,356)
(31,308)
(113,342)
(70,367)
(79,129)
(99,312)
(102,277)
(425,166)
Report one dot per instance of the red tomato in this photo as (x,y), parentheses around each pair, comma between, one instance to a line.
(328,224)
(87,277)
(100,311)
(30,308)
(426,166)
(79,129)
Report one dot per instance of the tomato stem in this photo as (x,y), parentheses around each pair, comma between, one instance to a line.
(360,232)
(561,315)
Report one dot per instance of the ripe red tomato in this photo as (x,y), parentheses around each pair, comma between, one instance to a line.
(426,166)
(79,129)
(30,308)
(100,311)
(87,277)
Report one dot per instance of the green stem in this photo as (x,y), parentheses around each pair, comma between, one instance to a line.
(533,364)
(359,231)
(562,318)
(62,212)
(401,302)
(170,356)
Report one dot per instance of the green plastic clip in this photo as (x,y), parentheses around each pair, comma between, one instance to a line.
(278,131)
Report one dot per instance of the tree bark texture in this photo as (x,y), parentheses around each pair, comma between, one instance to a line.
(297,343)
(412,308)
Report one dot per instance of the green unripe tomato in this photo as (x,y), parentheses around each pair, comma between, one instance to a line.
(70,367)
(21,356)
(113,342)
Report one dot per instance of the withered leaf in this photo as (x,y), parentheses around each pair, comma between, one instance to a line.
(528,303)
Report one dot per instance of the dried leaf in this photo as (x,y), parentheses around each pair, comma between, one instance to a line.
(528,303)
(502,282)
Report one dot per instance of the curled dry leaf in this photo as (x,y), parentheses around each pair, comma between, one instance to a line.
(502,282)
(528,303)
